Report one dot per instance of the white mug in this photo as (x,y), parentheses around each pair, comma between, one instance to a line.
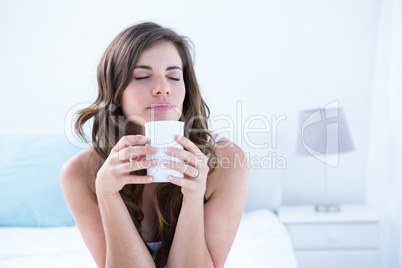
(162,134)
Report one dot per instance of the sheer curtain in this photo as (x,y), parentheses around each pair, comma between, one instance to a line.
(384,185)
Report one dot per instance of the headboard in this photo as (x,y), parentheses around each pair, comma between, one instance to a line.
(30,192)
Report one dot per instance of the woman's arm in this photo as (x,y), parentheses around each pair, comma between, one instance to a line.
(189,247)
(124,245)
(104,222)
(83,205)
(225,207)
(205,233)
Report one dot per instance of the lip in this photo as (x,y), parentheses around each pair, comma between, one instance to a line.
(161,106)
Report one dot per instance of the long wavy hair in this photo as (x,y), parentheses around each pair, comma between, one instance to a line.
(114,73)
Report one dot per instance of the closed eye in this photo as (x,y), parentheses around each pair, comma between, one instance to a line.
(142,77)
(175,79)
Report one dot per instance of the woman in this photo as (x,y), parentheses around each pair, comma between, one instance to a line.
(146,74)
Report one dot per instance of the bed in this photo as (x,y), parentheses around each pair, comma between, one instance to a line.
(37,230)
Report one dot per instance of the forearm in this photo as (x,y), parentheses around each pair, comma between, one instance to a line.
(189,248)
(124,246)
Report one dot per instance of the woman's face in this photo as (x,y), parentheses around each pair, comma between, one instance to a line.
(156,91)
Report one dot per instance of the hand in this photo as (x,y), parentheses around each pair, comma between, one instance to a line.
(115,171)
(192,189)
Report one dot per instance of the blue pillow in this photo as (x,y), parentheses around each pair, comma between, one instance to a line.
(30,192)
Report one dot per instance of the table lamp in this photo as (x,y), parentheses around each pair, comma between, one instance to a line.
(323,134)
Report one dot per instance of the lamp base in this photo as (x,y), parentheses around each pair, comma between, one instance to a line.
(327,208)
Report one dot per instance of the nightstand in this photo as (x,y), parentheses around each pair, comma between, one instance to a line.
(349,238)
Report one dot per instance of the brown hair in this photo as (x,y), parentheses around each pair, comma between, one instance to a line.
(109,123)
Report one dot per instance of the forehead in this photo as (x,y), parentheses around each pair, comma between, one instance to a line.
(163,54)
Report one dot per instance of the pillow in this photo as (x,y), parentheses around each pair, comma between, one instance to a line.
(30,192)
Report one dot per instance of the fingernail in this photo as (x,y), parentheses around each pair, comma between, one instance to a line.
(150,179)
(170,178)
(178,137)
(168,150)
(153,149)
(144,139)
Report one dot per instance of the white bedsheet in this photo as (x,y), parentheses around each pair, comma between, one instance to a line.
(262,241)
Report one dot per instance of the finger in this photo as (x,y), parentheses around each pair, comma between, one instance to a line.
(135,152)
(136,179)
(183,182)
(130,140)
(190,146)
(186,156)
(181,167)
(137,158)
(138,165)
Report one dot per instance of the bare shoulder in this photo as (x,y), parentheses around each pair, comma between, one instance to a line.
(76,171)
(230,155)
(232,170)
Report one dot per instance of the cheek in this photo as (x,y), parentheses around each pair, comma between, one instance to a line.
(129,101)
(131,95)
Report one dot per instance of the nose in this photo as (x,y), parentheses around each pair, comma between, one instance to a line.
(161,88)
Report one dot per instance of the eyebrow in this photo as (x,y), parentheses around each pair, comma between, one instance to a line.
(150,68)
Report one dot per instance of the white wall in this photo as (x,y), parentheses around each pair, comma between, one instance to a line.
(276,57)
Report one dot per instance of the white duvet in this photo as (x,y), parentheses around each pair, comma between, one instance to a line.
(262,241)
